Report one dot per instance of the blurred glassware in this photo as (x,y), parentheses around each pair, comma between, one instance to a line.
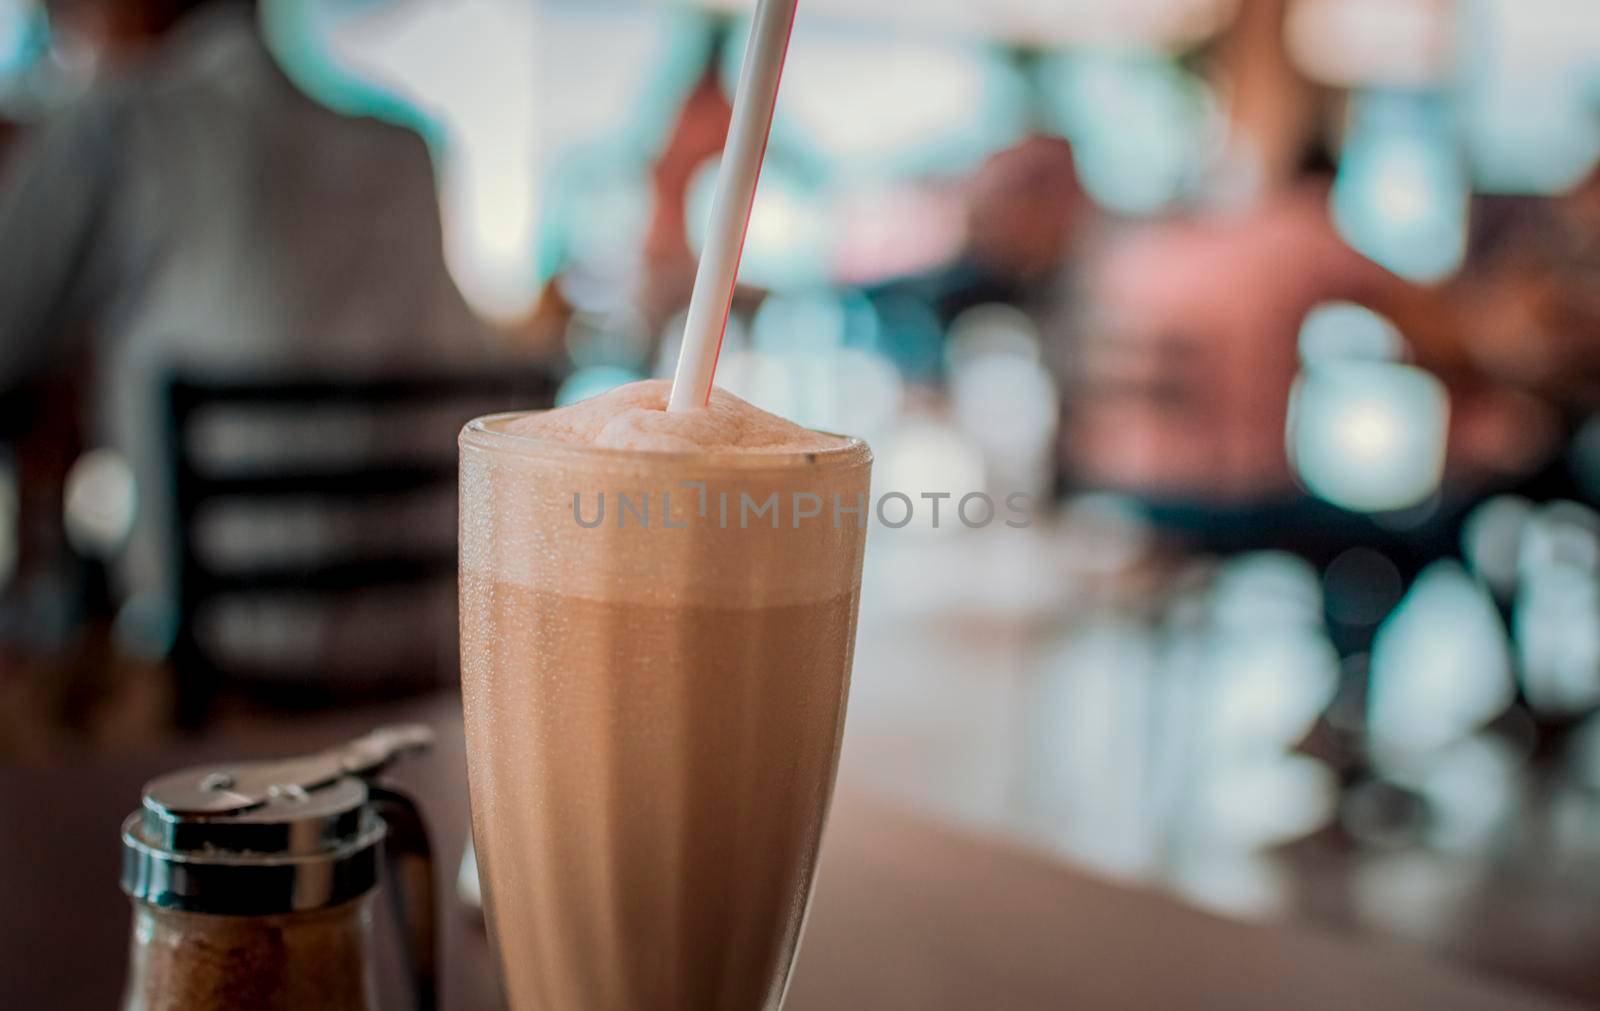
(1413,894)
(924,457)
(1441,668)
(1265,588)
(993,328)
(1368,436)
(1464,801)
(1165,749)
(1571,819)
(1472,789)
(1257,802)
(1528,92)
(1402,190)
(1231,882)
(1099,779)
(1272,669)
(1103,534)
(812,357)
(1345,331)
(1009,406)
(1004,398)
(1556,615)
(1491,540)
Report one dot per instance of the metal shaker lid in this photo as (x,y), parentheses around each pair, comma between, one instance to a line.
(263,837)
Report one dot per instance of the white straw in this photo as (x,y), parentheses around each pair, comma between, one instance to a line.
(730,209)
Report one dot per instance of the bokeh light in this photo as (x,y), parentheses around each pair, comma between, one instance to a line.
(1139,123)
(1401,194)
(864,105)
(22,32)
(99,501)
(1345,331)
(1368,436)
(1492,538)
(1557,609)
(790,239)
(1441,666)
(1529,92)
(925,456)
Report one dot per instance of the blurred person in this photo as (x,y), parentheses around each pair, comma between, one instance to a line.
(1190,347)
(1025,213)
(1024,207)
(197,213)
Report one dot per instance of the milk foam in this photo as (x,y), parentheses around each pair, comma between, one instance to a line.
(688,476)
(634,417)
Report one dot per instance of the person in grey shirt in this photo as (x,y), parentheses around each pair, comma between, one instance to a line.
(198,213)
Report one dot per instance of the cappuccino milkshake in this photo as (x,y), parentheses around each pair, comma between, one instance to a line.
(654,671)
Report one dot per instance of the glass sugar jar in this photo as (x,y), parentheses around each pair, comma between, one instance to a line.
(253,885)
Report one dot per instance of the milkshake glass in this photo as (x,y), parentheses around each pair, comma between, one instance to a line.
(656,650)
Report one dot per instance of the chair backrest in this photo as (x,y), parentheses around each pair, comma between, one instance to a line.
(358,483)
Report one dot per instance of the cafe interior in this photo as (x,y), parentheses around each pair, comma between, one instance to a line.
(1277,322)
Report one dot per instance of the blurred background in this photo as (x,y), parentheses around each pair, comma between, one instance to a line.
(1284,313)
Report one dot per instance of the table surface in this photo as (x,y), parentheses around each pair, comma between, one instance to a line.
(908,914)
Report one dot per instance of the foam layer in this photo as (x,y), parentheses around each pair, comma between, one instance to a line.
(555,522)
(634,417)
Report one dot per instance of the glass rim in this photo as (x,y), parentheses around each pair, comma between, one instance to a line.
(479,433)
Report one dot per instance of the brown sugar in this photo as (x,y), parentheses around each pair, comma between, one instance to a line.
(313,961)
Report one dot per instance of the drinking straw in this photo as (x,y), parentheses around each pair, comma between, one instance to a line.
(730,208)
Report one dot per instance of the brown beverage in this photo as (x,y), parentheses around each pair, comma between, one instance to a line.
(655,691)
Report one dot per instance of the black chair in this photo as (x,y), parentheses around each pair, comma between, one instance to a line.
(200,485)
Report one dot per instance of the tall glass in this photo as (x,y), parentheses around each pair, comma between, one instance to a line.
(656,654)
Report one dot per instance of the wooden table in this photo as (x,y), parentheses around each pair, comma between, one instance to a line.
(908,915)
